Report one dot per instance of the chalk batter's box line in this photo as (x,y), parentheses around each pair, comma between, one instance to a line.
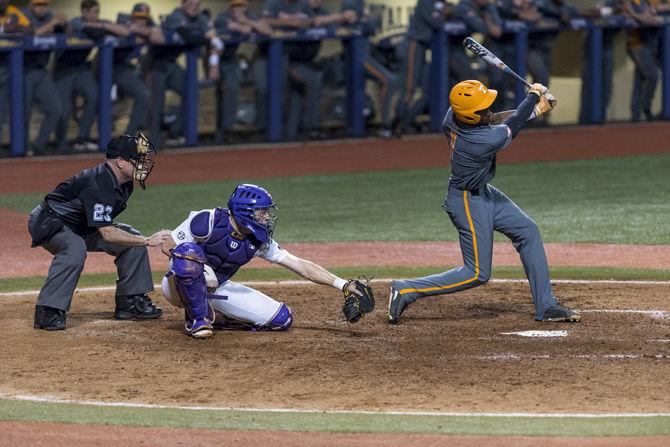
(374,281)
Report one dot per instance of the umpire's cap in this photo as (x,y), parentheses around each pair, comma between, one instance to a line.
(141,11)
(130,147)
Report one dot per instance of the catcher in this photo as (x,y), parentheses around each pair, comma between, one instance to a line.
(210,246)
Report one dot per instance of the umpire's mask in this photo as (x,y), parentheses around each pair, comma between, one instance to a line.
(136,149)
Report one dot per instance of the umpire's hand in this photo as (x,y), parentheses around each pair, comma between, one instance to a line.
(158,238)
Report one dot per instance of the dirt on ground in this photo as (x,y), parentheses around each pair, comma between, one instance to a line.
(451,353)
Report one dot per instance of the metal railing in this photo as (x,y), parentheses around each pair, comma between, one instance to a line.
(353,41)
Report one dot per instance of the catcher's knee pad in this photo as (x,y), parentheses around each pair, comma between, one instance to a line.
(188,260)
(282,320)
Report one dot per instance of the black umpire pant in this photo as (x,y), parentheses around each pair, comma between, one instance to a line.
(69,251)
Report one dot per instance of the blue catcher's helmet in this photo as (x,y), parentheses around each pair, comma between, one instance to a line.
(253,208)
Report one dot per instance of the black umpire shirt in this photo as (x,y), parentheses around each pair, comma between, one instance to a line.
(90,199)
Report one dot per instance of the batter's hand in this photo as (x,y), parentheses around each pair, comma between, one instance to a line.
(158,238)
(538,89)
(545,104)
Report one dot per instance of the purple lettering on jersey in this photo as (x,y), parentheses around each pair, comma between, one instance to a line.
(225,253)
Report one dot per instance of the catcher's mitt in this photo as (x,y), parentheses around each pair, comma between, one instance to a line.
(357,303)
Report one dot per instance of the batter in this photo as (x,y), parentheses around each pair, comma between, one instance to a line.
(476,208)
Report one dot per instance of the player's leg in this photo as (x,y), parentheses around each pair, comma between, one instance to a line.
(130,83)
(134,277)
(69,255)
(231,75)
(86,85)
(510,220)
(309,81)
(158,76)
(472,215)
(48,99)
(65,87)
(650,74)
(238,303)
(388,85)
(294,111)
(261,91)
(185,286)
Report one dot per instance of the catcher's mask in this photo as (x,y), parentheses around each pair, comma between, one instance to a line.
(252,208)
(467,98)
(137,150)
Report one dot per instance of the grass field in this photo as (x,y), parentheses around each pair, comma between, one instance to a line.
(333,422)
(616,200)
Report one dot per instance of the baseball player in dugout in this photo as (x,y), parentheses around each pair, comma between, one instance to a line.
(476,208)
(211,245)
(78,217)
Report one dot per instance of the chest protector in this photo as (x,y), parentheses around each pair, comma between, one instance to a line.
(225,253)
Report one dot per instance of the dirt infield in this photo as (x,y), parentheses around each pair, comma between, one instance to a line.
(449,354)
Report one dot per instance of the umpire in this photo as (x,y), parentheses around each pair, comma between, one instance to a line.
(78,216)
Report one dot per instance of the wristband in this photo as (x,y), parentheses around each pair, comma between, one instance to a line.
(339,283)
(213,60)
(217,43)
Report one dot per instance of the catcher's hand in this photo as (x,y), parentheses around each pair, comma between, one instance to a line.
(358,300)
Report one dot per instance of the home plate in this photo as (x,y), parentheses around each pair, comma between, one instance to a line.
(538,333)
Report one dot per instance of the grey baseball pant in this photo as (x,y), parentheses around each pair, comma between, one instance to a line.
(78,80)
(164,76)
(39,87)
(128,80)
(70,250)
(476,216)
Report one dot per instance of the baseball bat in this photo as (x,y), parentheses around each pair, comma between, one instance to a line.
(481,51)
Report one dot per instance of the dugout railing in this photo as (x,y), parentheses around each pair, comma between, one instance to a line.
(353,41)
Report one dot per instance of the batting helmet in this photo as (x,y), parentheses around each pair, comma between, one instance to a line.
(253,208)
(469,97)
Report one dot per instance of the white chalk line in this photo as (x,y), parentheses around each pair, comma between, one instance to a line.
(55,400)
(376,280)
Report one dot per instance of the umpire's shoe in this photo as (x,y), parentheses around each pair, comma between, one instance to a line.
(49,318)
(560,313)
(397,303)
(136,307)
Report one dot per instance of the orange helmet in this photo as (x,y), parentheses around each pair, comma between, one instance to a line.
(469,97)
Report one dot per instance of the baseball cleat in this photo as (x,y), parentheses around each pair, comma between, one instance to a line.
(136,307)
(201,328)
(560,313)
(397,304)
(49,318)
